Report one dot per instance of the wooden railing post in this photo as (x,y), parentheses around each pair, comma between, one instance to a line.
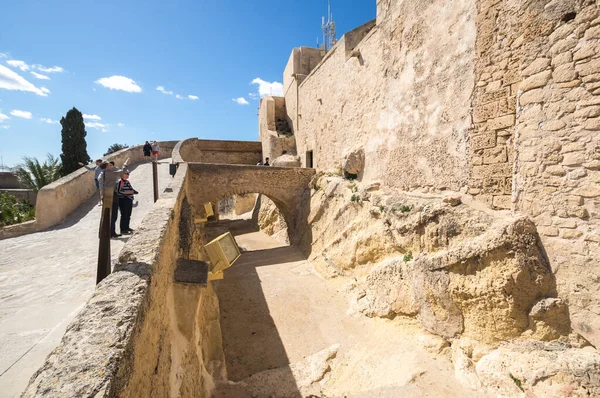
(104,266)
(155,180)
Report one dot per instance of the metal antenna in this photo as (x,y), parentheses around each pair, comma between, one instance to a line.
(329,37)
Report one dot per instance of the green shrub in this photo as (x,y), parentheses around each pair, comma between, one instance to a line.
(13,212)
(355,198)
(408,256)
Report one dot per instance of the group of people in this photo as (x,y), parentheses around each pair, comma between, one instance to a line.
(122,200)
(266,163)
(151,150)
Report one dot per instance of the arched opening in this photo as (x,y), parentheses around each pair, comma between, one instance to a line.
(258,210)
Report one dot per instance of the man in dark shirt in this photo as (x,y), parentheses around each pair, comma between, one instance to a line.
(125,194)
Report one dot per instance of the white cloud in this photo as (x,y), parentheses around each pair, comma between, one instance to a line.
(5,126)
(91,117)
(49,121)
(95,125)
(3,117)
(53,69)
(268,88)
(99,126)
(162,90)
(120,83)
(40,76)
(18,64)
(179,96)
(253,96)
(21,114)
(241,101)
(2,55)
(120,125)
(11,80)
(192,97)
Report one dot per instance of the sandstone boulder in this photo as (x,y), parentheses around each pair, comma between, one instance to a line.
(541,369)
(354,162)
(286,160)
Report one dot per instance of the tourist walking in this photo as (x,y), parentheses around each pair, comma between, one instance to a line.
(97,171)
(155,150)
(266,163)
(125,193)
(147,150)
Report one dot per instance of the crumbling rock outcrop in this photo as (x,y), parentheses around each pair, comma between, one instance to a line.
(483,287)
(461,271)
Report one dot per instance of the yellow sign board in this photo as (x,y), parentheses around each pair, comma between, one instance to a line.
(208,211)
(223,251)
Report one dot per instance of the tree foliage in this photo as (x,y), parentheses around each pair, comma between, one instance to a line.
(115,148)
(14,212)
(35,175)
(74,147)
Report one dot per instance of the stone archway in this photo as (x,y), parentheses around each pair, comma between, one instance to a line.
(288,188)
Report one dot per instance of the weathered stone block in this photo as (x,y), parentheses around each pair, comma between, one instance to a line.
(586,51)
(534,96)
(588,111)
(562,58)
(556,170)
(501,122)
(495,155)
(548,231)
(535,81)
(592,33)
(563,45)
(536,66)
(502,202)
(572,147)
(482,141)
(570,234)
(564,73)
(494,96)
(495,185)
(484,112)
(588,68)
(591,191)
(554,125)
(573,159)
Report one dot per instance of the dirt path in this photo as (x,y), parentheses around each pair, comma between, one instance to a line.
(46,278)
(288,332)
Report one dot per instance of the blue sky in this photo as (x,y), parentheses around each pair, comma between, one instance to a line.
(203,53)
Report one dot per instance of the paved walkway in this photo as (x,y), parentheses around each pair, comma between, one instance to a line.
(46,278)
(276,311)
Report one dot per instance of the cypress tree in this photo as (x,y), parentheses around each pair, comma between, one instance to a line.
(74,147)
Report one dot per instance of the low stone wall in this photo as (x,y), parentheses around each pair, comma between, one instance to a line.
(21,194)
(216,151)
(140,334)
(57,200)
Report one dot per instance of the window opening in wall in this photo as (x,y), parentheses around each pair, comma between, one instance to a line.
(569,16)
(309,159)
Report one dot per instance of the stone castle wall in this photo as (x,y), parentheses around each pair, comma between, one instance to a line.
(394,93)
(497,98)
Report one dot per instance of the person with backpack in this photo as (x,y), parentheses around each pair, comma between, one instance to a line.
(147,150)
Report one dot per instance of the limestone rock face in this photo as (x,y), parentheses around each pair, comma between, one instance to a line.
(465,290)
(354,161)
(270,220)
(286,160)
(544,369)
(459,270)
